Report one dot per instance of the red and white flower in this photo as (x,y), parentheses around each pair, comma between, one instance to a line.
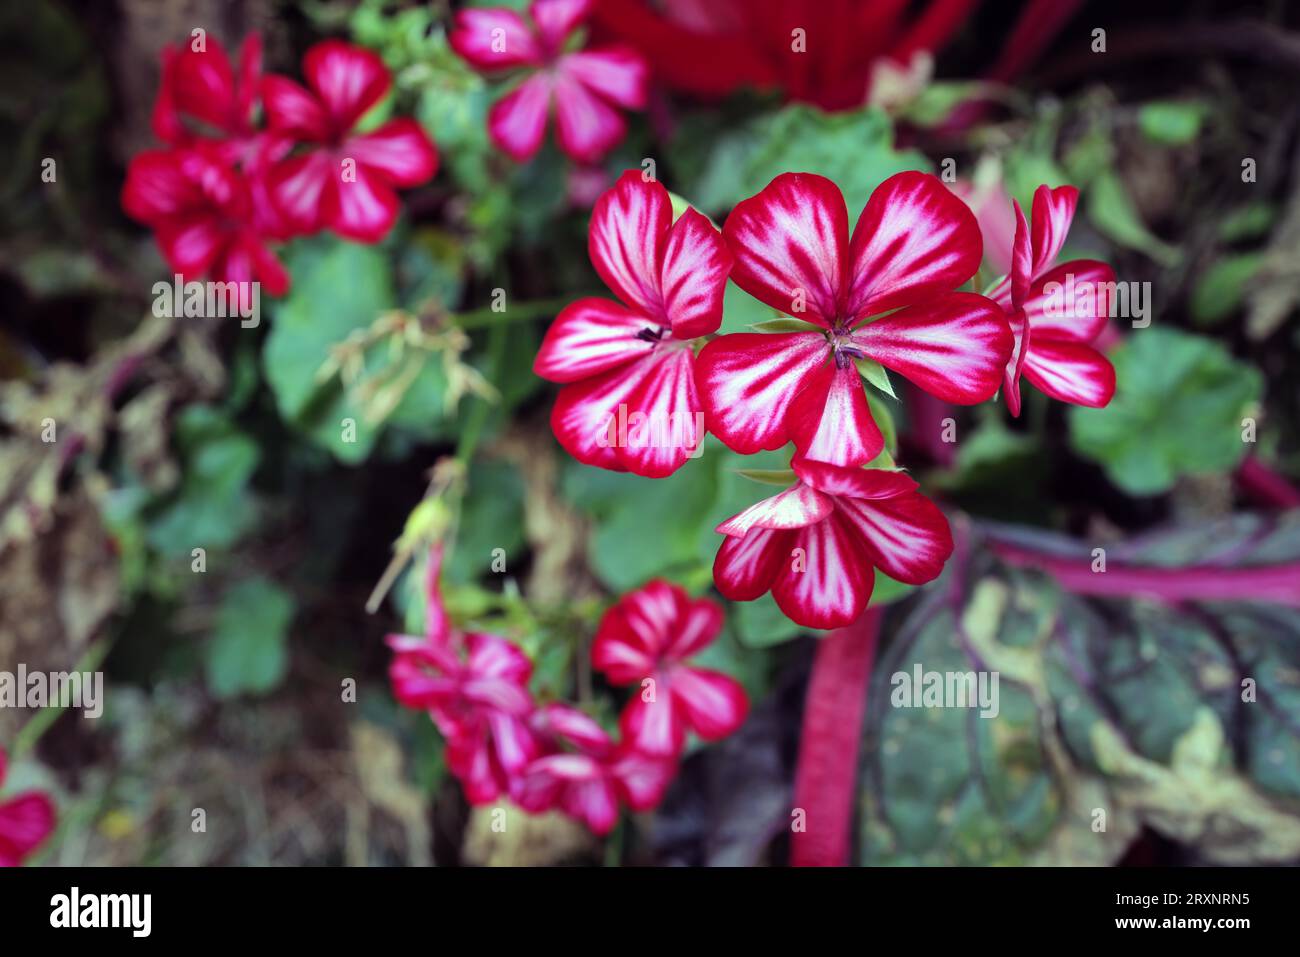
(645,640)
(26,820)
(586,88)
(913,244)
(587,775)
(629,402)
(1056,311)
(348,182)
(815,546)
(203,216)
(475,688)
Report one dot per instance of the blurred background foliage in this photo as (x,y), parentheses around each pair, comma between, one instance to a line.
(300,458)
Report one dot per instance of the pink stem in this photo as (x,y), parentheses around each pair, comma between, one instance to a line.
(1266,486)
(1278,583)
(826,779)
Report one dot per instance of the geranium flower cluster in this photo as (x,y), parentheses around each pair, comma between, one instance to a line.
(585,88)
(640,391)
(253,160)
(26,820)
(502,743)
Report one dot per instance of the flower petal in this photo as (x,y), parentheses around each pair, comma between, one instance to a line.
(491,656)
(361,205)
(157,188)
(586,126)
(825,581)
(291,109)
(348,80)
(749,380)
(517,121)
(202,84)
(25,822)
(628,242)
(907,536)
(853,482)
(713,705)
(193,244)
(1071,302)
(696,263)
(588,337)
(650,723)
(914,240)
(954,347)
(297,187)
(795,507)
(618,74)
(790,243)
(594,803)
(830,421)
(576,727)
(494,39)
(1070,372)
(746,567)
(556,19)
(400,149)
(696,629)
(642,779)
(1053,211)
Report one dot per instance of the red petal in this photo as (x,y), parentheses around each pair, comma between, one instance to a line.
(1071,372)
(1071,302)
(857,483)
(25,822)
(493,39)
(493,657)
(586,126)
(629,239)
(748,382)
(192,245)
(298,186)
(437,626)
(348,80)
(796,507)
(696,629)
(825,580)
(202,85)
(746,567)
(642,779)
(1052,213)
(595,803)
(907,537)
(588,337)
(712,704)
(248,85)
(400,149)
(577,728)
(954,347)
(790,244)
(156,188)
(696,263)
(915,240)
(517,121)
(556,19)
(830,420)
(292,109)
(363,208)
(617,74)
(653,727)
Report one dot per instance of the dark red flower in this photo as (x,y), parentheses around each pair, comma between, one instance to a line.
(348,182)
(645,640)
(26,820)
(203,216)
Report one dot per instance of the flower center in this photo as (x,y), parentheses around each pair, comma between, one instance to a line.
(844,349)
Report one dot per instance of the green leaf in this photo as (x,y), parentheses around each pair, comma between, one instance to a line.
(248,652)
(491,517)
(212,507)
(1221,289)
(1112,211)
(1177,410)
(886,590)
(854,149)
(338,287)
(785,324)
(1247,222)
(875,373)
(761,624)
(780,477)
(1172,122)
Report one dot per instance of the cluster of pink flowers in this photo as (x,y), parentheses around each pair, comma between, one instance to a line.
(885,294)
(26,820)
(585,88)
(502,743)
(253,160)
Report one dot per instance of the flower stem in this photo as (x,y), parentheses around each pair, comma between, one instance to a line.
(519,312)
(826,778)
